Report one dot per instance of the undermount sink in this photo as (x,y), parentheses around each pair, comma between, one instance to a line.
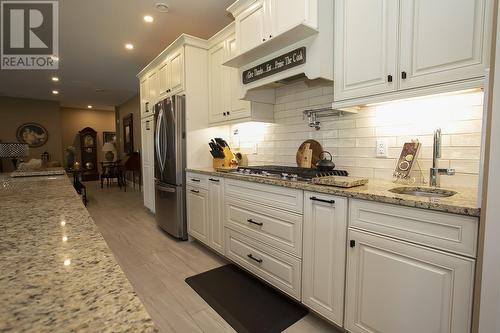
(423,192)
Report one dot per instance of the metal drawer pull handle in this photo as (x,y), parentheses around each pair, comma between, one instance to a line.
(256,223)
(253,258)
(195,180)
(195,191)
(214,180)
(321,200)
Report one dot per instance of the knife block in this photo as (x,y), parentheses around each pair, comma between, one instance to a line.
(229,160)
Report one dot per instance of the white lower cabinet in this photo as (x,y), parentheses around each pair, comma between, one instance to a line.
(365,266)
(323,266)
(205,210)
(148,168)
(394,286)
(216,213)
(277,268)
(197,213)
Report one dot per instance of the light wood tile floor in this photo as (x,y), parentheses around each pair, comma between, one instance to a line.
(157,265)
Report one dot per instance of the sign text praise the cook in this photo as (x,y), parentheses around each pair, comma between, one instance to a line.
(276,65)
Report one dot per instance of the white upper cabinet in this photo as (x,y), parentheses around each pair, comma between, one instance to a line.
(251,27)
(441,41)
(391,49)
(272,25)
(171,74)
(286,14)
(176,61)
(365,47)
(225,104)
(216,83)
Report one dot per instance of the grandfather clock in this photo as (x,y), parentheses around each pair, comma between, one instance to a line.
(88,147)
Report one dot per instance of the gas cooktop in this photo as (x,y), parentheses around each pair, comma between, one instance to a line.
(288,173)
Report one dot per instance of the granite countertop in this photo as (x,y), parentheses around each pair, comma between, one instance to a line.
(463,203)
(50,283)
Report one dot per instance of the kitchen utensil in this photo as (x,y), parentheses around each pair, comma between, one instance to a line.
(325,164)
(316,148)
(340,181)
(306,157)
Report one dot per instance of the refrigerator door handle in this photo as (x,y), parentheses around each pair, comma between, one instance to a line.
(165,189)
(159,156)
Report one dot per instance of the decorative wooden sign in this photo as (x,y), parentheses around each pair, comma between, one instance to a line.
(276,65)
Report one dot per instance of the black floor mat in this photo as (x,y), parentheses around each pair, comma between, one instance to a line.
(246,303)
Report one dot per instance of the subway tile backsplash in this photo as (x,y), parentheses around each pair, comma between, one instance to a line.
(352,138)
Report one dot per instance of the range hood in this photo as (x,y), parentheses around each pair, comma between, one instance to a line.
(264,67)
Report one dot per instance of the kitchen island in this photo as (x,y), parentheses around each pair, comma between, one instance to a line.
(57,274)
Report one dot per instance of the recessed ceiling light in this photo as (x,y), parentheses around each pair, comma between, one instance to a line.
(89,106)
(55,79)
(161,7)
(148,18)
(129,46)
(55,92)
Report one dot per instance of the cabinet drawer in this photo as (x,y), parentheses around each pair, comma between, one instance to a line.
(279,269)
(450,232)
(277,228)
(268,195)
(197,180)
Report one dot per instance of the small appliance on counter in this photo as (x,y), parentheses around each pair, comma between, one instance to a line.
(224,159)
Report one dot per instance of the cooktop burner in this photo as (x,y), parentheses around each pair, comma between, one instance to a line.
(289,173)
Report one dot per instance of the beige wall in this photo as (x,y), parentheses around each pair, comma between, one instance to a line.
(74,120)
(130,106)
(17,111)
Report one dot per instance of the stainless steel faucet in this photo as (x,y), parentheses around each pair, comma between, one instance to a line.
(434,179)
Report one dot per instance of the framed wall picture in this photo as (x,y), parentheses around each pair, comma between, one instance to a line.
(108,137)
(33,134)
(128,134)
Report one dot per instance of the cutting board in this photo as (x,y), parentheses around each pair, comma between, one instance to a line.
(340,181)
(316,150)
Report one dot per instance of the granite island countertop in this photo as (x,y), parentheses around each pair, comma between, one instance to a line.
(56,272)
(463,203)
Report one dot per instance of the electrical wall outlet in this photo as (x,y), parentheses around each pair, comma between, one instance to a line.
(255,148)
(382,149)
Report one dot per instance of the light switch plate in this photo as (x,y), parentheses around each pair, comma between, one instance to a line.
(382,149)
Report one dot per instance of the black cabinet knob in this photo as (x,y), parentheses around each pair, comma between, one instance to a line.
(403,75)
(389,78)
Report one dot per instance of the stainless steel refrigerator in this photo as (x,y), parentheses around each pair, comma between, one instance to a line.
(170,163)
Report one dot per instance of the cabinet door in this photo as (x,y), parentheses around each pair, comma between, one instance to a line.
(395,287)
(237,107)
(441,41)
(288,13)
(197,213)
(250,26)
(164,78)
(176,62)
(152,91)
(216,84)
(216,213)
(145,124)
(323,273)
(365,48)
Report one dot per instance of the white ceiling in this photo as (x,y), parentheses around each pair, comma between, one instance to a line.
(92,34)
